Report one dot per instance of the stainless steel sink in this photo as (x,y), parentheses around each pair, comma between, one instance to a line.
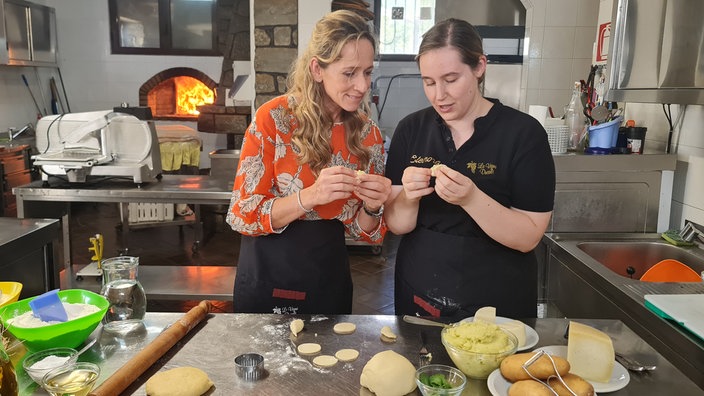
(631,259)
(588,276)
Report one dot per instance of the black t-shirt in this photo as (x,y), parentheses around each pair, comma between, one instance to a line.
(508,157)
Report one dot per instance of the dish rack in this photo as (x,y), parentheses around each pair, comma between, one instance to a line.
(558,137)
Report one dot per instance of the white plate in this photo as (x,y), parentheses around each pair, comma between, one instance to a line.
(531,334)
(619,377)
(498,385)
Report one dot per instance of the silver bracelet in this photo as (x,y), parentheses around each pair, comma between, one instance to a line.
(300,205)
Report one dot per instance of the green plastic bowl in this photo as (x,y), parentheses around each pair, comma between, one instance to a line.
(68,334)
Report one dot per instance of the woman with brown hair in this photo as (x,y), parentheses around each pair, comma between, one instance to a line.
(473,189)
(310,173)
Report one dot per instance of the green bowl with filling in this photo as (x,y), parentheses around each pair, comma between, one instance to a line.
(69,334)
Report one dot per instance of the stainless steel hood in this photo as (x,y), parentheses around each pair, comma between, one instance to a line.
(657,52)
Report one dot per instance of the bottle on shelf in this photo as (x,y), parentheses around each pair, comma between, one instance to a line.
(575,119)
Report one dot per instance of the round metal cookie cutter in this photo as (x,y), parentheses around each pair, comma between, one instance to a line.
(249,366)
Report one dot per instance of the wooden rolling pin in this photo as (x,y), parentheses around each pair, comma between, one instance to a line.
(130,371)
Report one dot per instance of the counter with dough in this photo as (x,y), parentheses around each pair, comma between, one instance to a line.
(215,342)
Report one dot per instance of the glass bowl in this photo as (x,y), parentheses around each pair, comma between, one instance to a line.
(478,348)
(453,377)
(39,363)
(77,378)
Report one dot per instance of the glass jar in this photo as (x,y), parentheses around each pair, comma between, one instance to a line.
(128,302)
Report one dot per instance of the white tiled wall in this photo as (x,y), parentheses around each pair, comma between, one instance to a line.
(560,35)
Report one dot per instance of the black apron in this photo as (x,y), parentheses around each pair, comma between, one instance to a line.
(452,276)
(304,270)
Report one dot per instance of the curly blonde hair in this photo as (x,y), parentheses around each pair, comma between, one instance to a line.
(313,133)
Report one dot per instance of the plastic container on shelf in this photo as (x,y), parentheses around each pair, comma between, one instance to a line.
(604,135)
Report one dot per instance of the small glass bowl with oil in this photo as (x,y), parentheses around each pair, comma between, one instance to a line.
(74,379)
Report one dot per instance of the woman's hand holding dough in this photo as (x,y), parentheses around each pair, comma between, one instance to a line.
(416,182)
(333,183)
(452,186)
(373,189)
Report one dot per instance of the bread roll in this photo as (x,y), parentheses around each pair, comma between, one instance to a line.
(511,367)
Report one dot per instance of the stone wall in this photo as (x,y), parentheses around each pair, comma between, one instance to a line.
(275,46)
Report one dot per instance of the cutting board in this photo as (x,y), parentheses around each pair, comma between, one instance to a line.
(685,309)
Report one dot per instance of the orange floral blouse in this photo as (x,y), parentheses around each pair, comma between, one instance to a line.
(269,169)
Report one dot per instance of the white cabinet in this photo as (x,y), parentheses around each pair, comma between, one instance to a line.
(27,34)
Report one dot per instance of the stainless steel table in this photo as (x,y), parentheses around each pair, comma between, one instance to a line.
(34,198)
(214,343)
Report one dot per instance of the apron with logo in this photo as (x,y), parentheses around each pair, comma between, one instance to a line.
(446,275)
(304,270)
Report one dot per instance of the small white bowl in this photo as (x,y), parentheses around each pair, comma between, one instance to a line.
(36,366)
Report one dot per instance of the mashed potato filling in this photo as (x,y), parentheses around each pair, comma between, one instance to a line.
(478,337)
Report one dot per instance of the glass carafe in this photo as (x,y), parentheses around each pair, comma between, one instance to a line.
(128,302)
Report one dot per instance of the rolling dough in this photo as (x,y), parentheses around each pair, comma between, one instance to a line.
(389,374)
(434,169)
(347,355)
(344,328)
(309,348)
(181,381)
(325,361)
(296,327)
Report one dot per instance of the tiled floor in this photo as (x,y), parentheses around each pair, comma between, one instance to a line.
(173,245)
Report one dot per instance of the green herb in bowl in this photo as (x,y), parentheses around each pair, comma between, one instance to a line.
(435,380)
(440,380)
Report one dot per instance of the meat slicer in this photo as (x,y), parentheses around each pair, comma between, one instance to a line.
(99,143)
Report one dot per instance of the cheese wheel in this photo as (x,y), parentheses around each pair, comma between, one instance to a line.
(590,353)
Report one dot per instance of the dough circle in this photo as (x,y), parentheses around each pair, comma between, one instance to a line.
(325,361)
(309,348)
(180,381)
(347,355)
(344,328)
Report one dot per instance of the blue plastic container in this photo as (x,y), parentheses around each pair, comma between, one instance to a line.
(604,135)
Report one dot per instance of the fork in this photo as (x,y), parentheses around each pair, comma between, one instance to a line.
(423,355)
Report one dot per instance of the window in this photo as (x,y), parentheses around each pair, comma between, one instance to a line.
(163,27)
(401,24)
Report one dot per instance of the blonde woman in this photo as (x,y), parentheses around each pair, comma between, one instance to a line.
(310,173)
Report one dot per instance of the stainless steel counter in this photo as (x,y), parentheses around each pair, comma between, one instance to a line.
(34,199)
(214,343)
(27,254)
(580,286)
